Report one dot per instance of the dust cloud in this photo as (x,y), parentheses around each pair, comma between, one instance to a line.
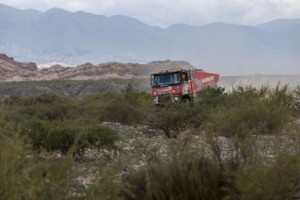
(258,80)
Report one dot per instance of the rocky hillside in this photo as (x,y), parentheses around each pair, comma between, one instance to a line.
(12,70)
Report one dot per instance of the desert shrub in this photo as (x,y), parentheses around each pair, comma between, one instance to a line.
(251,110)
(233,152)
(44,99)
(20,109)
(278,179)
(100,136)
(127,108)
(47,98)
(106,187)
(244,110)
(130,108)
(12,100)
(281,95)
(54,179)
(211,96)
(14,178)
(253,117)
(244,92)
(21,176)
(182,178)
(174,118)
(296,94)
(177,117)
(52,112)
(246,113)
(67,137)
(93,107)
(122,110)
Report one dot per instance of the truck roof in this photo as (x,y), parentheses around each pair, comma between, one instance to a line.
(174,70)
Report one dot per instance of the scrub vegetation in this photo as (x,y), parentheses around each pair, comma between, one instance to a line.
(239,145)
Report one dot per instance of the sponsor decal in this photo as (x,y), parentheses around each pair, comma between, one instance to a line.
(210,78)
(164,90)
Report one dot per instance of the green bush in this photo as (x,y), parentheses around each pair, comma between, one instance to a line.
(281,96)
(296,104)
(14,178)
(54,179)
(172,119)
(67,136)
(47,98)
(246,113)
(100,136)
(22,176)
(93,107)
(131,108)
(257,159)
(211,96)
(277,180)
(254,117)
(20,109)
(106,187)
(44,99)
(183,178)
(251,111)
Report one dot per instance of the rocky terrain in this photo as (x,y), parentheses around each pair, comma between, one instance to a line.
(141,143)
(71,88)
(21,78)
(12,70)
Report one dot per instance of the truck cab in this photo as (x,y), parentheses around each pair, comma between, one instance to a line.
(175,85)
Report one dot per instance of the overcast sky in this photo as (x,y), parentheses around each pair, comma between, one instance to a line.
(166,12)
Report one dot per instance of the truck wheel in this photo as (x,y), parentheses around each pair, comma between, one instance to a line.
(186,100)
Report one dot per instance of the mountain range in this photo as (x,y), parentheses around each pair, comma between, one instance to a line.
(58,35)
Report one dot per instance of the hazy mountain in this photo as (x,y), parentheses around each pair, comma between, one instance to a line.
(74,38)
(287,32)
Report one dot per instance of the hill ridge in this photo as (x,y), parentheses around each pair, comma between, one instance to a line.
(12,70)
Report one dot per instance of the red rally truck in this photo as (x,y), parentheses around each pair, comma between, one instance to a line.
(178,84)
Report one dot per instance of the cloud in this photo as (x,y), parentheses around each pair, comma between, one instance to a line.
(167,12)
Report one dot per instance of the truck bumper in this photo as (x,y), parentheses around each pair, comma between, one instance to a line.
(166,98)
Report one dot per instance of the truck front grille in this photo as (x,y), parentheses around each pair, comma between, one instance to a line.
(165,98)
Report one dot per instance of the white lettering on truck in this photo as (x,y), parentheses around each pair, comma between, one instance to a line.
(211,78)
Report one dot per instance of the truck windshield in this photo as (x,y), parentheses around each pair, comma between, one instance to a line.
(159,80)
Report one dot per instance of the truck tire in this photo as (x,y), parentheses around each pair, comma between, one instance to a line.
(186,100)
